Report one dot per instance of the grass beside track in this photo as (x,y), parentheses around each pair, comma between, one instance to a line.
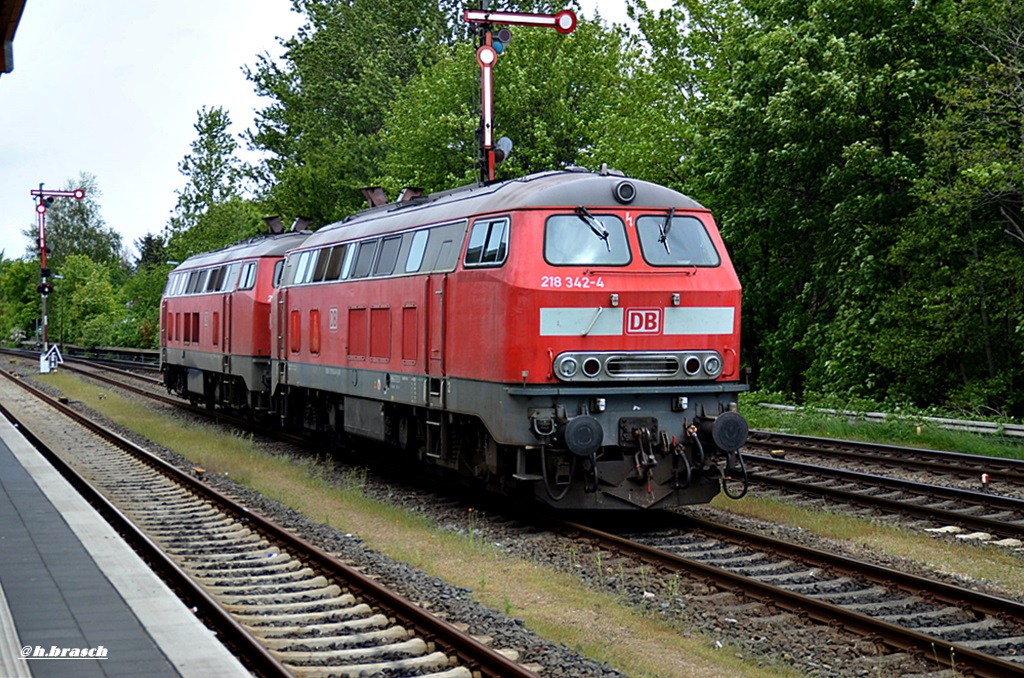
(555,605)
(907,430)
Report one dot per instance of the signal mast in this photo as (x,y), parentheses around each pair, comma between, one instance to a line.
(492,43)
(44,200)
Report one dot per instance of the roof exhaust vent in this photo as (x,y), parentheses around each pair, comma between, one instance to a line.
(375,196)
(409,193)
(300,224)
(274,225)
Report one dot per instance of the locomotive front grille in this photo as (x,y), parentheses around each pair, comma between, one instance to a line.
(616,367)
(642,366)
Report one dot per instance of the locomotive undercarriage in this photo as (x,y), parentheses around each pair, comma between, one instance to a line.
(632,453)
(648,467)
(231,391)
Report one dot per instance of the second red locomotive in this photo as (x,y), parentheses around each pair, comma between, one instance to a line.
(572,336)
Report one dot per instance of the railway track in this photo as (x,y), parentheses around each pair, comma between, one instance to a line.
(940,505)
(953,503)
(971,632)
(292,608)
(977,634)
(945,463)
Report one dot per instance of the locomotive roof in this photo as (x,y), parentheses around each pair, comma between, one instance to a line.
(260,246)
(568,188)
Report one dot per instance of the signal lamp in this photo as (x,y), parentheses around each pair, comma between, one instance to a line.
(500,38)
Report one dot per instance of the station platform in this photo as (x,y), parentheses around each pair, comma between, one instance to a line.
(74,598)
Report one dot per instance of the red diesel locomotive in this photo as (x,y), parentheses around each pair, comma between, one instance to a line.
(572,336)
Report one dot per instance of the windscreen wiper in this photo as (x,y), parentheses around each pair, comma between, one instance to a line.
(596,226)
(665,228)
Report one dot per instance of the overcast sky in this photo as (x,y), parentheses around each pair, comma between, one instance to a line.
(112,87)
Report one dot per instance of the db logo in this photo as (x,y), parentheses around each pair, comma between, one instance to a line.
(643,321)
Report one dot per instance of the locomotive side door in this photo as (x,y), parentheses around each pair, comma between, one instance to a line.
(226,315)
(436,316)
(280,325)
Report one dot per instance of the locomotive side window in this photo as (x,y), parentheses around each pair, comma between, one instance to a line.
(215,279)
(333,270)
(585,239)
(442,255)
(679,241)
(416,250)
(364,259)
(231,279)
(302,269)
(278,273)
(388,256)
(321,265)
(248,276)
(350,255)
(193,279)
(488,243)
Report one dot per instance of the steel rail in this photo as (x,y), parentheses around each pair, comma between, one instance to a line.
(970,497)
(896,637)
(943,461)
(475,655)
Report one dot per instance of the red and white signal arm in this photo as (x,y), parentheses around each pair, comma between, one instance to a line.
(564,22)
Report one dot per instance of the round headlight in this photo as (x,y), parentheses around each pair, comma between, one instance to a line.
(567,368)
(691,365)
(713,365)
(591,367)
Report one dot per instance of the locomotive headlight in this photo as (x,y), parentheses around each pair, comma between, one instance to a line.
(713,365)
(591,367)
(567,368)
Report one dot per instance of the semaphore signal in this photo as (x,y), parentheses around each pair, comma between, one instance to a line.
(44,199)
(487,55)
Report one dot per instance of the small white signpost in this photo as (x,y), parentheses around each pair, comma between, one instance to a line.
(49,360)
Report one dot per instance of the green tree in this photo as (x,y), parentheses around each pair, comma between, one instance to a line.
(960,308)
(76,227)
(19,301)
(806,148)
(331,91)
(210,211)
(152,250)
(94,312)
(140,297)
(550,91)
(214,173)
